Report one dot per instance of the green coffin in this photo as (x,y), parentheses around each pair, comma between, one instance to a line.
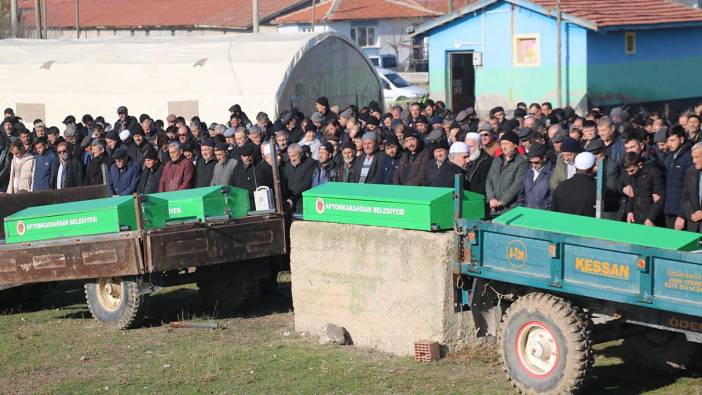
(603,229)
(202,203)
(87,217)
(394,206)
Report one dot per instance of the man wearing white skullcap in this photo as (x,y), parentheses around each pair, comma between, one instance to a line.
(456,164)
(577,194)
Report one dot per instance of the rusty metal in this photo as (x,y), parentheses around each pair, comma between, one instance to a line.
(14,202)
(187,245)
(196,325)
(76,258)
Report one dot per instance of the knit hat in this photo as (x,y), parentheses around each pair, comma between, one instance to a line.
(151,154)
(511,137)
(458,148)
(327,147)
(569,144)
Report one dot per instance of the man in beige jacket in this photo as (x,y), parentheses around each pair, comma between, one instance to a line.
(21,170)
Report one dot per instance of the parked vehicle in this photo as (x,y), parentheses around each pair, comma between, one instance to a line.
(386,61)
(396,89)
(548,296)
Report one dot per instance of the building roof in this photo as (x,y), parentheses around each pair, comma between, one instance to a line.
(593,14)
(235,14)
(344,10)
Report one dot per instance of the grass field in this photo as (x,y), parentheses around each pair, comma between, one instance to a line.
(62,350)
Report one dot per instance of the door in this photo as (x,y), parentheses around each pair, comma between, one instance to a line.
(462,81)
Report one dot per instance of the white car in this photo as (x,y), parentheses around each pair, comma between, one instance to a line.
(395,88)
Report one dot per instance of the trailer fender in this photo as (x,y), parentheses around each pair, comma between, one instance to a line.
(486,306)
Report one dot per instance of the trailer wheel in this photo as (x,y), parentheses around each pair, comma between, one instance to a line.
(661,350)
(545,345)
(236,285)
(115,302)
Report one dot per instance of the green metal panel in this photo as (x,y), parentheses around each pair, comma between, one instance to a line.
(394,206)
(87,217)
(622,232)
(201,203)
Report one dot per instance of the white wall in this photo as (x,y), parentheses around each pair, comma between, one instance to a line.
(390,33)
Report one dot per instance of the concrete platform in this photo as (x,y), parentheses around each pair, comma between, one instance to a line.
(387,287)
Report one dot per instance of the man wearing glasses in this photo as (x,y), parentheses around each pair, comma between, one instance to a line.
(535,191)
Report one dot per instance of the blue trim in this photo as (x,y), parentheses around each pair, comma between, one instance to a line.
(552,277)
(583,22)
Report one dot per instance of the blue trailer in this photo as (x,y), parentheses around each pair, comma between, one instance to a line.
(549,296)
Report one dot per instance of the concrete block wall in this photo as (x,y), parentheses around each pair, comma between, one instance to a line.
(387,287)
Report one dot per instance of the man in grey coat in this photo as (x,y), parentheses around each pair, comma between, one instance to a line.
(504,180)
(224,167)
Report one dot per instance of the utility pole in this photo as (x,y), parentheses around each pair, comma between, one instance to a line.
(314,16)
(450,5)
(559,66)
(255,16)
(37,19)
(45,15)
(77,18)
(13,16)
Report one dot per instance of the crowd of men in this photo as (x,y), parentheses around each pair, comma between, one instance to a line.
(541,157)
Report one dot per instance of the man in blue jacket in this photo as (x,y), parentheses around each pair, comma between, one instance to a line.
(535,192)
(677,162)
(44,160)
(124,174)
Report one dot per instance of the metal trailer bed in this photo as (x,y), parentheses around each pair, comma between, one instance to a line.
(549,296)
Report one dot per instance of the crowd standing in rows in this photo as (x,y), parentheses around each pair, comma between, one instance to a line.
(541,157)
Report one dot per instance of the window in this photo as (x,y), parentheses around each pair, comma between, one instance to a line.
(364,36)
(305,27)
(397,80)
(526,50)
(630,43)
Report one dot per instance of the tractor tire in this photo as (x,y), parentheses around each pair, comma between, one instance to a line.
(116,303)
(236,286)
(662,350)
(545,343)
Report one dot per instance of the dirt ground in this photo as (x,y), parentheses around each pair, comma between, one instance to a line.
(56,347)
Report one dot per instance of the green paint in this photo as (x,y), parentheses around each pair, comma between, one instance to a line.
(621,232)
(88,217)
(201,203)
(394,206)
(643,81)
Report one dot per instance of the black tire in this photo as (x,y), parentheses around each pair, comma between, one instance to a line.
(661,350)
(116,303)
(234,287)
(558,335)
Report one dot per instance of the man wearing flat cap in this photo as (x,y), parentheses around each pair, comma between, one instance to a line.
(224,167)
(577,194)
(504,180)
(369,167)
(124,174)
(440,150)
(125,121)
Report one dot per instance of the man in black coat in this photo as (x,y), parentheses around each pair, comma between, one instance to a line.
(151,175)
(692,194)
(677,162)
(93,173)
(370,167)
(70,169)
(245,175)
(125,121)
(455,164)
(479,162)
(297,175)
(439,151)
(413,162)
(577,195)
(645,190)
(205,164)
